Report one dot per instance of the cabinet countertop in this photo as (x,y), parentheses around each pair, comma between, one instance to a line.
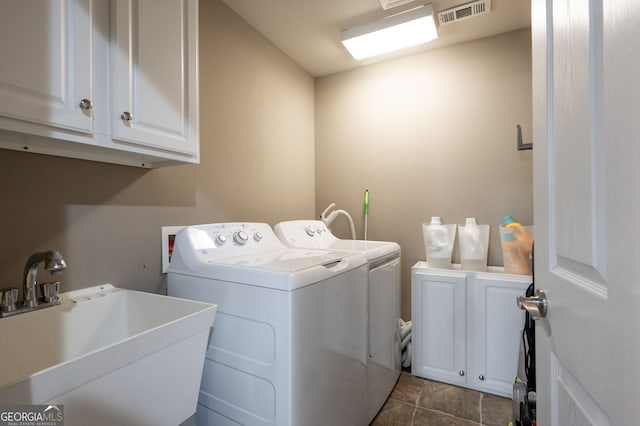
(456,267)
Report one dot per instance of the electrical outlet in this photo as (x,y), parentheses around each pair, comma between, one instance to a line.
(168,237)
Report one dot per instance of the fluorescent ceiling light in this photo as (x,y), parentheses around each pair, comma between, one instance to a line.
(406,29)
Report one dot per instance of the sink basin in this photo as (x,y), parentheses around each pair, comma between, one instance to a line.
(109,355)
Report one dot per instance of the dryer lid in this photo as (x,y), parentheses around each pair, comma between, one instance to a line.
(315,234)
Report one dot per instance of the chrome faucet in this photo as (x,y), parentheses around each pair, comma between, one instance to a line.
(53,262)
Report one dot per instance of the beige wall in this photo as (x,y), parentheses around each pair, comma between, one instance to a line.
(432,134)
(429,134)
(256,110)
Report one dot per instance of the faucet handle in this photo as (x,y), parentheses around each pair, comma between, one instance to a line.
(50,291)
(9,300)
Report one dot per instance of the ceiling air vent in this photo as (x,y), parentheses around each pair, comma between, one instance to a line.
(464,11)
(388,4)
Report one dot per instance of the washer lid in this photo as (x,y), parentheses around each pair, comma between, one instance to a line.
(288,261)
(286,270)
(250,253)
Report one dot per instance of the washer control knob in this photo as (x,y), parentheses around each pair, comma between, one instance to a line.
(319,229)
(221,239)
(258,236)
(241,237)
(310,230)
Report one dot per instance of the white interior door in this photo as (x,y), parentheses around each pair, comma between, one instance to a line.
(586,92)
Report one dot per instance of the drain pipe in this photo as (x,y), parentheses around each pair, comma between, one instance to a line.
(328,220)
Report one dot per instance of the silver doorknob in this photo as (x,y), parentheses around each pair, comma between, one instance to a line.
(481,377)
(126,116)
(536,305)
(461,373)
(86,104)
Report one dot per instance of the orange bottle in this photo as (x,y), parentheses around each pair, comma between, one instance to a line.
(519,233)
(515,260)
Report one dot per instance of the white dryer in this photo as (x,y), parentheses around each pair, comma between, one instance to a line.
(289,346)
(383,260)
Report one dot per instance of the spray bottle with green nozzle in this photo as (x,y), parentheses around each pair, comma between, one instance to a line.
(366,212)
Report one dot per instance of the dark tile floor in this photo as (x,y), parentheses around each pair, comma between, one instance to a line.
(420,402)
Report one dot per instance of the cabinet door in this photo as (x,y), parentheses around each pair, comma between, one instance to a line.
(154,74)
(46,66)
(495,330)
(439,326)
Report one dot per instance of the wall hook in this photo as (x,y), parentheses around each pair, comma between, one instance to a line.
(522,146)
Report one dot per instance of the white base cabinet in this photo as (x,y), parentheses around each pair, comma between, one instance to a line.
(467,329)
(106,80)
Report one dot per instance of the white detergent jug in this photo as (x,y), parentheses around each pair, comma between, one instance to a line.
(438,241)
(474,245)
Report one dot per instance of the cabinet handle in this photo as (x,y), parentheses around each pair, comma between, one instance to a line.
(126,116)
(461,372)
(86,104)
(481,377)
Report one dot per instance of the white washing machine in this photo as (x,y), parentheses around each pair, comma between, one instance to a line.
(289,346)
(383,260)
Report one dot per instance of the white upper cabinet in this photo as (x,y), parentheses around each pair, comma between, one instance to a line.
(113,81)
(46,63)
(154,73)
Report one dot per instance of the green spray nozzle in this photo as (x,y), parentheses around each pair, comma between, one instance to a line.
(366,202)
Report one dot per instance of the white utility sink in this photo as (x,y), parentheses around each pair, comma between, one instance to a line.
(109,355)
